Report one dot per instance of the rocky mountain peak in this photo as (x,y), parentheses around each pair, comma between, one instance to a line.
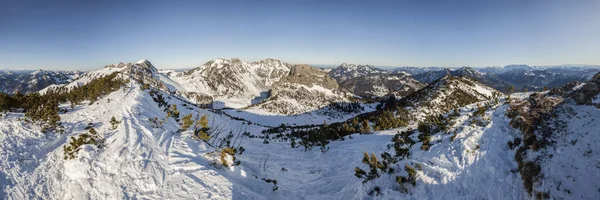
(309,76)
(588,92)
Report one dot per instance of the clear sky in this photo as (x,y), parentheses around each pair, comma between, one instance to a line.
(183,34)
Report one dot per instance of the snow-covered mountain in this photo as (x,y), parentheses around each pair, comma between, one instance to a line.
(305,89)
(430,76)
(374,86)
(415,70)
(559,136)
(142,70)
(447,93)
(538,79)
(25,81)
(346,71)
(479,145)
(233,81)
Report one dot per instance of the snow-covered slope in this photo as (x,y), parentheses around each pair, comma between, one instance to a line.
(143,162)
(235,82)
(139,161)
(557,157)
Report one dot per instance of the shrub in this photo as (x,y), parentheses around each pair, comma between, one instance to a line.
(201,129)
(187,122)
(365,127)
(114,123)
(173,112)
(410,178)
(224,154)
(376,190)
(71,149)
(375,168)
(425,139)
(387,120)
(402,143)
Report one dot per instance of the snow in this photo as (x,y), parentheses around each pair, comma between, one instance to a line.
(265,118)
(570,164)
(142,162)
(596,100)
(485,91)
(147,163)
(577,87)
(245,80)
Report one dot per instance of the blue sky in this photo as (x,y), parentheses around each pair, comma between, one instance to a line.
(183,34)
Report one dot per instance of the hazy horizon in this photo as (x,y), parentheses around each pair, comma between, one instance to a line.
(314,65)
(75,35)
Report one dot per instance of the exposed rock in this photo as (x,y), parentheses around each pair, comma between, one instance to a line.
(233,79)
(588,92)
(305,89)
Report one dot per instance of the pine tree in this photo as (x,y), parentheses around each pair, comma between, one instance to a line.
(346,128)
(174,112)
(203,121)
(187,122)
(114,122)
(202,128)
(355,124)
(365,127)
(71,149)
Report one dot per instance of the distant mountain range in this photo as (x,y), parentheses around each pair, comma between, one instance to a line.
(26,81)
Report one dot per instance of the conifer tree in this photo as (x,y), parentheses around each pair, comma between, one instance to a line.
(365,127)
(174,112)
(346,128)
(355,124)
(201,130)
(187,122)
(114,122)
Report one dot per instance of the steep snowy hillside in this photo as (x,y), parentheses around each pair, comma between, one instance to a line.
(24,81)
(559,137)
(237,83)
(305,89)
(374,86)
(347,71)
